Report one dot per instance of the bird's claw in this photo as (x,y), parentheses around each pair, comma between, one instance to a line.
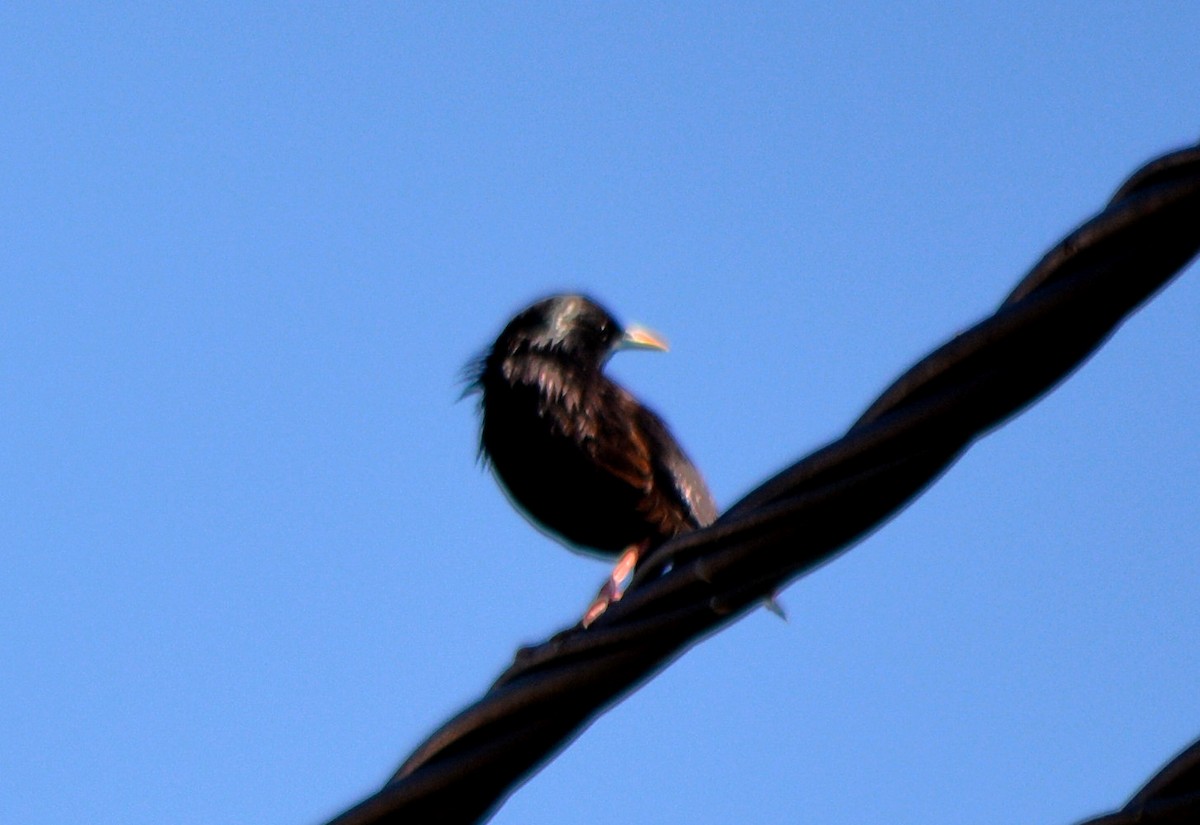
(597,608)
(614,588)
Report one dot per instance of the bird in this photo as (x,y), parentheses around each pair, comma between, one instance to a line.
(582,458)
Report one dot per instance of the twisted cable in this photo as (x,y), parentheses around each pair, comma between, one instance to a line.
(1055,318)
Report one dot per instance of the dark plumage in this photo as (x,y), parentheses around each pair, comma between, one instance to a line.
(577,452)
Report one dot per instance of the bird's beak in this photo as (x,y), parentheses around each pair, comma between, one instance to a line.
(641,338)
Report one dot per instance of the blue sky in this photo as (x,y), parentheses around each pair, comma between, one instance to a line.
(247,559)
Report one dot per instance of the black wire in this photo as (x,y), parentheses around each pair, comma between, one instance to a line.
(1058,315)
(1171,797)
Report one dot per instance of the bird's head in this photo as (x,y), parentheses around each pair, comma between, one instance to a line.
(571,329)
(574,327)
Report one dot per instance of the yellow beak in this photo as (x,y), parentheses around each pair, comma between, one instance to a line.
(641,338)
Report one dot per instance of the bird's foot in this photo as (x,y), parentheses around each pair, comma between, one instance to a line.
(614,588)
(594,611)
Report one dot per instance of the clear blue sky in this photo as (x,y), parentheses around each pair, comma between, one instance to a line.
(247,559)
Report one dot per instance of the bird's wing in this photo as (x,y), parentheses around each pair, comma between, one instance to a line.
(615,439)
(675,469)
(632,443)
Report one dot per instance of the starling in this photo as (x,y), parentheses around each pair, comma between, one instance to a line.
(581,457)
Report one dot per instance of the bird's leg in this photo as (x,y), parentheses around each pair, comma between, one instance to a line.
(618,580)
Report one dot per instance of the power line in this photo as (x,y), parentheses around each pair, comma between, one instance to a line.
(1055,318)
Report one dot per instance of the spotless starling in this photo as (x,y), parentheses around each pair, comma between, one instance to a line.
(581,457)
